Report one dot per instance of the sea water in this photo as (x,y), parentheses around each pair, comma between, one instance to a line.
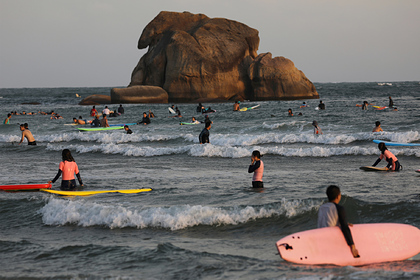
(202,220)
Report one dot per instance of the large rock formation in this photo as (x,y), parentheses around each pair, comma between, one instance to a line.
(194,57)
(96,99)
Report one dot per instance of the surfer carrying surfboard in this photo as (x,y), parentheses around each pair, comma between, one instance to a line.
(67,168)
(331,214)
(257,166)
(389,157)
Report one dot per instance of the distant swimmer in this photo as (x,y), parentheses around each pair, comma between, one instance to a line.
(106,111)
(128,130)
(207,120)
(151,115)
(104,121)
(96,122)
(304,105)
(393,163)
(79,121)
(178,113)
(194,120)
(121,109)
(317,129)
(237,106)
(145,120)
(67,168)
(204,136)
(200,108)
(391,103)
(332,214)
(378,127)
(290,112)
(27,134)
(321,106)
(257,166)
(7,120)
(93,111)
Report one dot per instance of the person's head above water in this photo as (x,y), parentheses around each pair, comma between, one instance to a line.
(378,123)
(315,123)
(382,147)
(333,192)
(66,155)
(256,154)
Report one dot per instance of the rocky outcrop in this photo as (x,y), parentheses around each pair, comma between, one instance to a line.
(96,99)
(278,78)
(139,94)
(194,57)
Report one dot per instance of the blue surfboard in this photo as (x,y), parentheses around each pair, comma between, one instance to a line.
(397,144)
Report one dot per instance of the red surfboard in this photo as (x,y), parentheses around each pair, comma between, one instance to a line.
(25,187)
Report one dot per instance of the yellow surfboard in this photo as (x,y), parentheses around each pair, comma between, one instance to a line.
(86,193)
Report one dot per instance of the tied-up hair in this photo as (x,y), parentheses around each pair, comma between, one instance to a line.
(66,155)
(382,147)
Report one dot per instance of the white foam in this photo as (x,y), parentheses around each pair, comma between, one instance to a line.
(210,150)
(86,213)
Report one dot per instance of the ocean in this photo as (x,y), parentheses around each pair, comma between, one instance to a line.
(202,220)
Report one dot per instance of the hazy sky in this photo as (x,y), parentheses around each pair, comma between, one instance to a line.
(86,43)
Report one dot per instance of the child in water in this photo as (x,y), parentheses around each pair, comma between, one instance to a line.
(68,168)
(257,166)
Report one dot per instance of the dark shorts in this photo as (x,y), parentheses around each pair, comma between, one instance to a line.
(257,184)
(68,185)
(32,143)
(398,166)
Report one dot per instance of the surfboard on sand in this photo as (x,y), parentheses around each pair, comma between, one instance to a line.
(396,143)
(172,111)
(376,243)
(372,168)
(25,187)
(100,128)
(87,193)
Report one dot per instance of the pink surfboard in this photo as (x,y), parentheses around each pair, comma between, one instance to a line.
(375,242)
(418,171)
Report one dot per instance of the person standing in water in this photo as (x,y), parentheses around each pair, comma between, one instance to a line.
(290,112)
(236,106)
(7,120)
(257,166)
(378,127)
(104,121)
(93,111)
(393,163)
(317,129)
(67,168)
(27,134)
(204,136)
(331,214)
(391,103)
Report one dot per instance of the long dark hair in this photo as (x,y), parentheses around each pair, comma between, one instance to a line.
(66,155)
(382,147)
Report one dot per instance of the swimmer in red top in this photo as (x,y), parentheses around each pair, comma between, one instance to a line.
(257,166)
(68,168)
(389,157)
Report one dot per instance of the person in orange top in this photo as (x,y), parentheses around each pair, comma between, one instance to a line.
(68,168)
(393,163)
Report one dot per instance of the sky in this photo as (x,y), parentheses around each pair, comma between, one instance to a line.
(89,43)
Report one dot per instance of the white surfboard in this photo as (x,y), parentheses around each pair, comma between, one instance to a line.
(172,111)
(375,242)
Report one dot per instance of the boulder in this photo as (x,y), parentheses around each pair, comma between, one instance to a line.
(278,78)
(194,57)
(96,99)
(139,94)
